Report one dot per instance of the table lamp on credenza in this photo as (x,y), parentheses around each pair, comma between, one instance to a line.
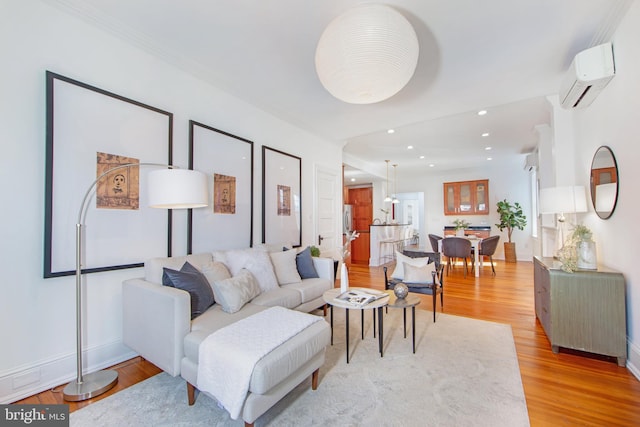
(561,201)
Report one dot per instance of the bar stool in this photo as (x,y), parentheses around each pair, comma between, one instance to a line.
(387,247)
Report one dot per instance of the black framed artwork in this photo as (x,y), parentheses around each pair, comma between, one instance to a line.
(227,160)
(281,198)
(88,129)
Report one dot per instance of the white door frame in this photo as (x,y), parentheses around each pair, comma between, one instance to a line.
(337,227)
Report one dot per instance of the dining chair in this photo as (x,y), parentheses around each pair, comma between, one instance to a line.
(434,239)
(488,248)
(456,247)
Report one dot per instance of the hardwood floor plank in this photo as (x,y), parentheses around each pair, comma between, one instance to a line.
(565,389)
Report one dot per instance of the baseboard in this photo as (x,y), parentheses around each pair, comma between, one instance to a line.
(633,360)
(29,380)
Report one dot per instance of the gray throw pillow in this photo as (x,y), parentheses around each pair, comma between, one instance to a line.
(190,279)
(304,263)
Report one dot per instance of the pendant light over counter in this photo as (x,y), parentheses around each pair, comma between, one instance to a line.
(367,54)
(387,199)
(395,185)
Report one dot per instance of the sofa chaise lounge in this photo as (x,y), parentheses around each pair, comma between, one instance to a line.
(157,320)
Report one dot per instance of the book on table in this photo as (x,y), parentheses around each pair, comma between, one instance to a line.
(360,297)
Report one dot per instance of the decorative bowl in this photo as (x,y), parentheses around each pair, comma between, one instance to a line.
(401,290)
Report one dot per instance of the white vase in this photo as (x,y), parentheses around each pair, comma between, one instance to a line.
(460,232)
(344,278)
(586,252)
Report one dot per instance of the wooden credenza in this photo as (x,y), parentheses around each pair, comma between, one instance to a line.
(584,310)
(481,231)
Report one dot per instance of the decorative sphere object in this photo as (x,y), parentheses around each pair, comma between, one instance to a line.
(401,290)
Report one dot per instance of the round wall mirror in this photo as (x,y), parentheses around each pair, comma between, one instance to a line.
(604,182)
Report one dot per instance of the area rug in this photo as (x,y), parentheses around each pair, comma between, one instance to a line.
(464,373)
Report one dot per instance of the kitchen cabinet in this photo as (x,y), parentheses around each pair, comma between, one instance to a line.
(466,197)
(584,310)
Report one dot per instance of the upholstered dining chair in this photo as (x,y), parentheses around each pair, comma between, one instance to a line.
(432,287)
(488,248)
(456,247)
(434,239)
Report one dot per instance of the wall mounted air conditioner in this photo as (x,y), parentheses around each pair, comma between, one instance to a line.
(531,162)
(590,71)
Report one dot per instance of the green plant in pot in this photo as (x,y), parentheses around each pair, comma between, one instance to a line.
(511,217)
(460,225)
(579,250)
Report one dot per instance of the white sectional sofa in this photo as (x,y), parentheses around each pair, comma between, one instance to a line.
(158,324)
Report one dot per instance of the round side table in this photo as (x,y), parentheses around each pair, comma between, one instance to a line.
(410,301)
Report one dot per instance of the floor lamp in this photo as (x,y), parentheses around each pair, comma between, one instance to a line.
(562,200)
(169,188)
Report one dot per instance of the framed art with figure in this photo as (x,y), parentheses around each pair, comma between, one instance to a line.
(281,201)
(228,162)
(89,131)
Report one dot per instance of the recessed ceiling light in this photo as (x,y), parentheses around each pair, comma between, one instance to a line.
(422,157)
(353,180)
(390,131)
(486,134)
(409,147)
(431,165)
(489,158)
(482,112)
(487,148)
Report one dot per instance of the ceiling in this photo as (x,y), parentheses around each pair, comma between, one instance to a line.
(504,56)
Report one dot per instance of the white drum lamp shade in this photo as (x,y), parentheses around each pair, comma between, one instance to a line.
(561,200)
(367,54)
(177,189)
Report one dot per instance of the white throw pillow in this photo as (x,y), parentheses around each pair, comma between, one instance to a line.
(233,293)
(421,275)
(398,273)
(215,271)
(284,263)
(255,260)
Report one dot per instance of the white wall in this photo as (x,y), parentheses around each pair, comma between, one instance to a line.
(613,120)
(507,180)
(37,316)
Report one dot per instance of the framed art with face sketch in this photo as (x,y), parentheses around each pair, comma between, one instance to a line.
(228,162)
(281,202)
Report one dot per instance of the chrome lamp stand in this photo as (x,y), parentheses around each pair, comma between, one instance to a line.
(186,189)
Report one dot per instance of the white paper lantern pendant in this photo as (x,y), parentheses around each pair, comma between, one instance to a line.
(367,54)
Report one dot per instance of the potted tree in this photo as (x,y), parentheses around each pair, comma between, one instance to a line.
(511,217)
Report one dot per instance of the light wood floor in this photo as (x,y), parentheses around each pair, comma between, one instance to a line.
(565,389)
